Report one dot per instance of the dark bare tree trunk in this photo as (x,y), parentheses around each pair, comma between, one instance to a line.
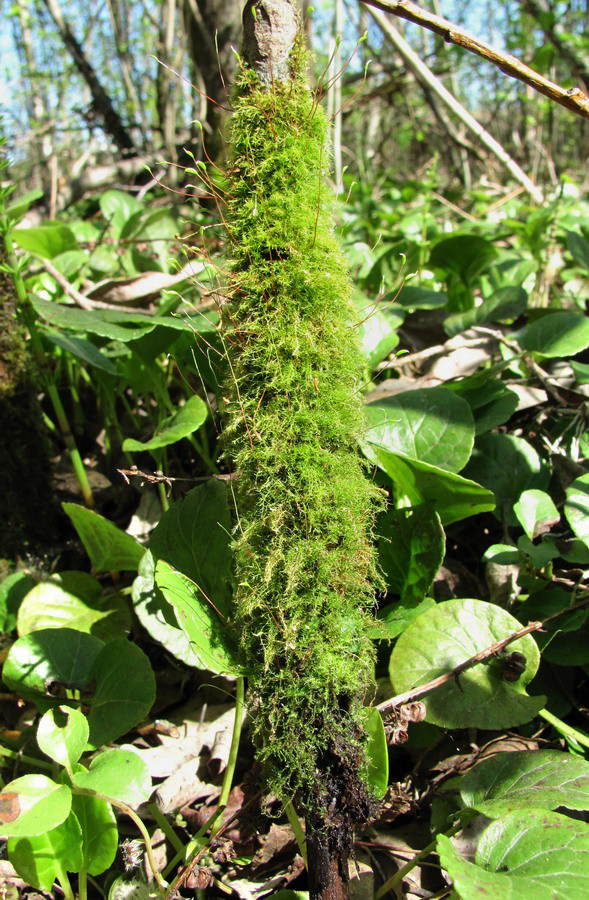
(101,102)
(213,29)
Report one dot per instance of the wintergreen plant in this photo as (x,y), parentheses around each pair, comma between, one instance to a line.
(304,506)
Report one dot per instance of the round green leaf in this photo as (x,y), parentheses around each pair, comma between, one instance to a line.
(46,240)
(548,851)
(431,425)
(194,536)
(182,424)
(32,805)
(449,634)
(50,606)
(508,466)
(99,832)
(411,546)
(527,854)
(157,616)
(453,496)
(125,691)
(41,860)
(63,734)
(199,620)
(544,779)
(576,507)
(377,755)
(109,548)
(536,512)
(119,774)
(13,590)
(41,665)
(557,334)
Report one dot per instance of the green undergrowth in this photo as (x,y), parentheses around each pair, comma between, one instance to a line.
(304,506)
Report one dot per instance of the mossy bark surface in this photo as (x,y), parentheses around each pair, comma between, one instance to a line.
(304,506)
(27,508)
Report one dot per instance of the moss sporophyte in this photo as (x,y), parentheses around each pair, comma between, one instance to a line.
(305,508)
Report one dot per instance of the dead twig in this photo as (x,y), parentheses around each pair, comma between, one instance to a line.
(388,706)
(571,98)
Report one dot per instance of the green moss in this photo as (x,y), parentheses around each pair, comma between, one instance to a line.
(305,566)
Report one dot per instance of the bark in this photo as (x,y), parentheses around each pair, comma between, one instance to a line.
(213,29)
(101,102)
(27,507)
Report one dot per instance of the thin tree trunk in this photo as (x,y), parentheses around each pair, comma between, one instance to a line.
(426,76)
(101,102)
(36,100)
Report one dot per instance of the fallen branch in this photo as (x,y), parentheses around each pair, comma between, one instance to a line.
(388,706)
(79,298)
(426,77)
(573,98)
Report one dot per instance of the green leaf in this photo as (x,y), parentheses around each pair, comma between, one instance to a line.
(32,805)
(20,206)
(508,466)
(81,349)
(576,507)
(453,496)
(182,424)
(581,372)
(578,248)
(109,548)
(410,550)
(157,616)
(506,303)
(47,660)
(544,779)
(377,753)
(449,634)
(13,590)
(536,512)
(117,208)
(202,623)
(377,328)
(430,425)
(556,334)
(125,691)
(63,734)
(46,240)
(102,322)
(194,536)
(119,774)
(41,860)
(491,402)
(421,298)
(467,255)
(50,606)
(527,854)
(396,617)
(99,832)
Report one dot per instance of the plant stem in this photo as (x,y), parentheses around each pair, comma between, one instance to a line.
(297,830)
(66,887)
(138,822)
(231,762)
(28,760)
(398,877)
(167,829)
(41,358)
(82,884)
(567,730)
